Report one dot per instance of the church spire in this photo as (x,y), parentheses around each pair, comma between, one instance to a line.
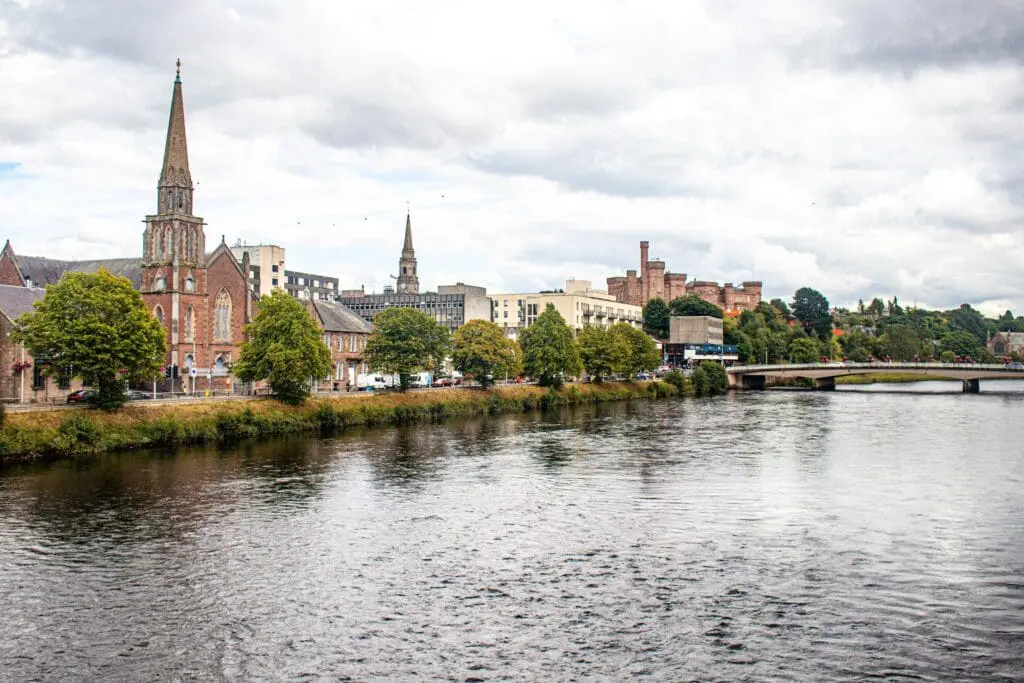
(175,178)
(407,247)
(408,282)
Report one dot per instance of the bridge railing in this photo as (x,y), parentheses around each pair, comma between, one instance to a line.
(882,366)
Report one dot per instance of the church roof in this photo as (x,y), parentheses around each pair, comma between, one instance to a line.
(407,245)
(15,301)
(44,271)
(340,318)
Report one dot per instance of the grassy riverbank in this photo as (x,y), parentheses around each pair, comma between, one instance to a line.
(51,434)
(887,378)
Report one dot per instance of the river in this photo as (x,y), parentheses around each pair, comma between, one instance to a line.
(775,535)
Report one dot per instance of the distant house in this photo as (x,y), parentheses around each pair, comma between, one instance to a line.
(21,376)
(345,334)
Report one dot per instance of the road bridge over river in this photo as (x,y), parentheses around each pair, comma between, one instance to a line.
(824,374)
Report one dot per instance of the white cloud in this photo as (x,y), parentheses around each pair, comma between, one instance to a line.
(861,148)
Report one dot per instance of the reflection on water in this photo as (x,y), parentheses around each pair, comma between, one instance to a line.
(777,535)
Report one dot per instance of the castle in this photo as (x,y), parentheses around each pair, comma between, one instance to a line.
(655,282)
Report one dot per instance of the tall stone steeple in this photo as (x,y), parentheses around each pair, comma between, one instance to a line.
(408,282)
(174,235)
(175,186)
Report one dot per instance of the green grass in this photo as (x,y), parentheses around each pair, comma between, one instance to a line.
(888,377)
(57,433)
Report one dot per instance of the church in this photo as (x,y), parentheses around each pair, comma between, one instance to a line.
(202,299)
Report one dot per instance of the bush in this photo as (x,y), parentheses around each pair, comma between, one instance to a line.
(676,379)
(710,379)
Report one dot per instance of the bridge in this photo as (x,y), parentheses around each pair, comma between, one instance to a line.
(824,374)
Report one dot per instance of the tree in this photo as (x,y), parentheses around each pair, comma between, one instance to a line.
(656,317)
(482,350)
(691,304)
(284,346)
(902,342)
(781,307)
(969,320)
(810,307)
(805,350)
(876,309)
(602,352)
(641,351)
(709,379)
(960,343)
(406,341)
(97,327)
(549,350)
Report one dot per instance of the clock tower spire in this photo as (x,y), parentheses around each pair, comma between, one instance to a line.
(408,282)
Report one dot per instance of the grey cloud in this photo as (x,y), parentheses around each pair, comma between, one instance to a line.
(911,35)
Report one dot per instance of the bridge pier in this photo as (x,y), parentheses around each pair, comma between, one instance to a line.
(755,382)
(825,383)
(972,386)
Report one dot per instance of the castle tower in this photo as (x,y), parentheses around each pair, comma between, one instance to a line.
(174,243)
(408,282)
(645,285)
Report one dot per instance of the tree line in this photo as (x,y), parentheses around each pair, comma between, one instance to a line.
(807,329)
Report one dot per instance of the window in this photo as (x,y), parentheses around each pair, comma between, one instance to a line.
(330,285)
(64,378)
(274,268)
(352,342)
(190,324)
(38,378)
(190,247)
(341,339)
(302,281)
(190,284)
(161,283)
(273,281)
(159,313)
(327,339)
(222,318)
(189,360)
(168,243)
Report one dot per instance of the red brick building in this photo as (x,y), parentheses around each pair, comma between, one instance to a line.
(203,300)
(654,282)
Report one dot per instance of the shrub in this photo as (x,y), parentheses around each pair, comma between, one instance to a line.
(676,379)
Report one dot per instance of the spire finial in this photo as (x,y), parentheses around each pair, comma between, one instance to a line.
(407,209)
(177,74)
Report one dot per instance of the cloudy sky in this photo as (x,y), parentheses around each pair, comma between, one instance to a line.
(863,147)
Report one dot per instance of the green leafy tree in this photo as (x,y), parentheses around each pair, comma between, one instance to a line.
(641,351)
(876,309)
(947,357)
(967,319)
(810,307)
(902,342)
(97,327)
(709,379)
(549,350)
(284,346)
(656,317)
(602,352)
(805,350)
(782,307)
(691,304)
(406,341)
(961,343)
(480,349)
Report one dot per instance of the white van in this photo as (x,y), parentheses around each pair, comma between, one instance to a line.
(375,381)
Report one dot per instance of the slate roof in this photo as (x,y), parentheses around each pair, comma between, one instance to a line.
(14,301)
(45,271)
(340,318)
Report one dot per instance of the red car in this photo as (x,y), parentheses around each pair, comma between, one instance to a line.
(447,381)
(81,396)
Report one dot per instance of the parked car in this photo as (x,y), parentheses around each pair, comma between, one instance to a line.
(643,375)
(81,396)
(1015,365)
(136,395)
(447,381)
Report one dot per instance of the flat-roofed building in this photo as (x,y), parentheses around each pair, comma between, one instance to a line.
(579,303)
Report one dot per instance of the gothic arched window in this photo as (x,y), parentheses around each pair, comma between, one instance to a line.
(159,313)
(161,283)
(191,247)
(190,282)
(222,317)
(190,324)
(168,243)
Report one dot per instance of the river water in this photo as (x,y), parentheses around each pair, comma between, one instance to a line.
(776,535)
